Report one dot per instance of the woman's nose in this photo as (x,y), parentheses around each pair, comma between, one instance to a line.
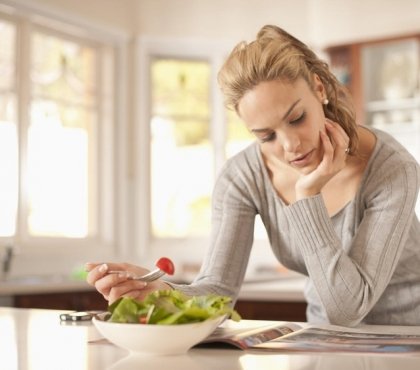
(291,143)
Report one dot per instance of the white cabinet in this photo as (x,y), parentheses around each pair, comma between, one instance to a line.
(383,77)
(390,83)
(391,91)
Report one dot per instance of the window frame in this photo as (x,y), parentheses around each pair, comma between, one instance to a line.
(55,255)
(148,48)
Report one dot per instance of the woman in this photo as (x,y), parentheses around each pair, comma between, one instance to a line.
(337,199)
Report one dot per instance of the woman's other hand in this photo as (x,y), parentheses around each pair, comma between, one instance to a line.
(114,286)
(335,143)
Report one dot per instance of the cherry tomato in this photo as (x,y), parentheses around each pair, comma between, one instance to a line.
(165,264)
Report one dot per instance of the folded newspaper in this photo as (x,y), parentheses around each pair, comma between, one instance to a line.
(291,337)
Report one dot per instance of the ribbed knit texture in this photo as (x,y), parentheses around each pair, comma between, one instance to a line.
(363,263)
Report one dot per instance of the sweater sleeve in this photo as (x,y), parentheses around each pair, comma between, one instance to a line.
(350,283)
(232,233)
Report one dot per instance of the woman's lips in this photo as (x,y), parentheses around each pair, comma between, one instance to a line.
(303,160)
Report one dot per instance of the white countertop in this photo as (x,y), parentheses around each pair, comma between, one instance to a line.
(36,340)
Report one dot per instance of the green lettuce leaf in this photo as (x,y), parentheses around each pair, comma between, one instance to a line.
(171,307)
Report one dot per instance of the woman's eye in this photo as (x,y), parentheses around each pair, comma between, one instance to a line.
(268,137)
(298,119)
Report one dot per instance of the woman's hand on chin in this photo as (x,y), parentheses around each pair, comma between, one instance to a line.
(334,143)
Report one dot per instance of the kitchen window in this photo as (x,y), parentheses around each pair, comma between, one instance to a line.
(57,137)
(184,137)
(181,150)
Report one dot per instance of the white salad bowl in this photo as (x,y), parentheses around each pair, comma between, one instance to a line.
(155,339)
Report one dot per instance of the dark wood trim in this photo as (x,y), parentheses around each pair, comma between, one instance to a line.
(350,54)
(268,310)
(77,301)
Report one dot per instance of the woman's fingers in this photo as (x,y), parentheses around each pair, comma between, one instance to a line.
(89,266)
(136,289)
(338,136)
(105,284)
(113,286)
(116,285)
(128,288)
(99,270)
(327,144)
(96,271)
(334,141)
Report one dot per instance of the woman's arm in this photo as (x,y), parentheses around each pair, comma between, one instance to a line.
(224,266)
(232,232)
(350,284)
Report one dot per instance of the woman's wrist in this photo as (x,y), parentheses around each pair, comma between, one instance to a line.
(306,193)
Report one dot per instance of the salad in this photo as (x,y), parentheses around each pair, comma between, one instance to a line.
(171,307)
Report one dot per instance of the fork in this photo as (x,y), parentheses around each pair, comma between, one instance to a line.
(164,266)
(151,276)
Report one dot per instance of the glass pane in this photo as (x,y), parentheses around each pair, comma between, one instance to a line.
(62,164)
(59,176)
(180,88)
(7,55)
(8,165)
(391,70)
(181,154)
(63,69)
(8,131)
(238,136)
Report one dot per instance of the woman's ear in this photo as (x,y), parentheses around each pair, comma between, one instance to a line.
(319,88)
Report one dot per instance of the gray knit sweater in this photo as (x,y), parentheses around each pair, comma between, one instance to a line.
(363,263)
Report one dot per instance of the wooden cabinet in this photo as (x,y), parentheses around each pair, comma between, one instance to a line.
(345,63)
(77,301)
(272,310)
(383,77)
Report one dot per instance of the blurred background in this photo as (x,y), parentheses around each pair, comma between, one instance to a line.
(113,130)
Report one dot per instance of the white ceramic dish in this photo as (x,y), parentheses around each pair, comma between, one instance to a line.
(156,339)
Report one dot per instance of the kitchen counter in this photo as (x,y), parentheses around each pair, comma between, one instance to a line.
(268,299)
(57,292)
(282,289)
(36,340)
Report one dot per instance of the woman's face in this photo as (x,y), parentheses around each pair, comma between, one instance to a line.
(286,118)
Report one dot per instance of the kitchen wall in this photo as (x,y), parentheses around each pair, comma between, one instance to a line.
(345,21)
(117,14)
(227,19)
(318,22)
(220,19)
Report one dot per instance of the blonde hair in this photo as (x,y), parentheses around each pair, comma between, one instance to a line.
(277,55)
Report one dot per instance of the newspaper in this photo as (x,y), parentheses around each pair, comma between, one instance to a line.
(292,337)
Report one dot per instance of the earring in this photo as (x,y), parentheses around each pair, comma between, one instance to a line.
(325,101)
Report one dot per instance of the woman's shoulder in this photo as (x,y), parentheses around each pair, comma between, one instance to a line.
(244,170)
(387,146)
(242,178)
(246,160)
(389,157)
